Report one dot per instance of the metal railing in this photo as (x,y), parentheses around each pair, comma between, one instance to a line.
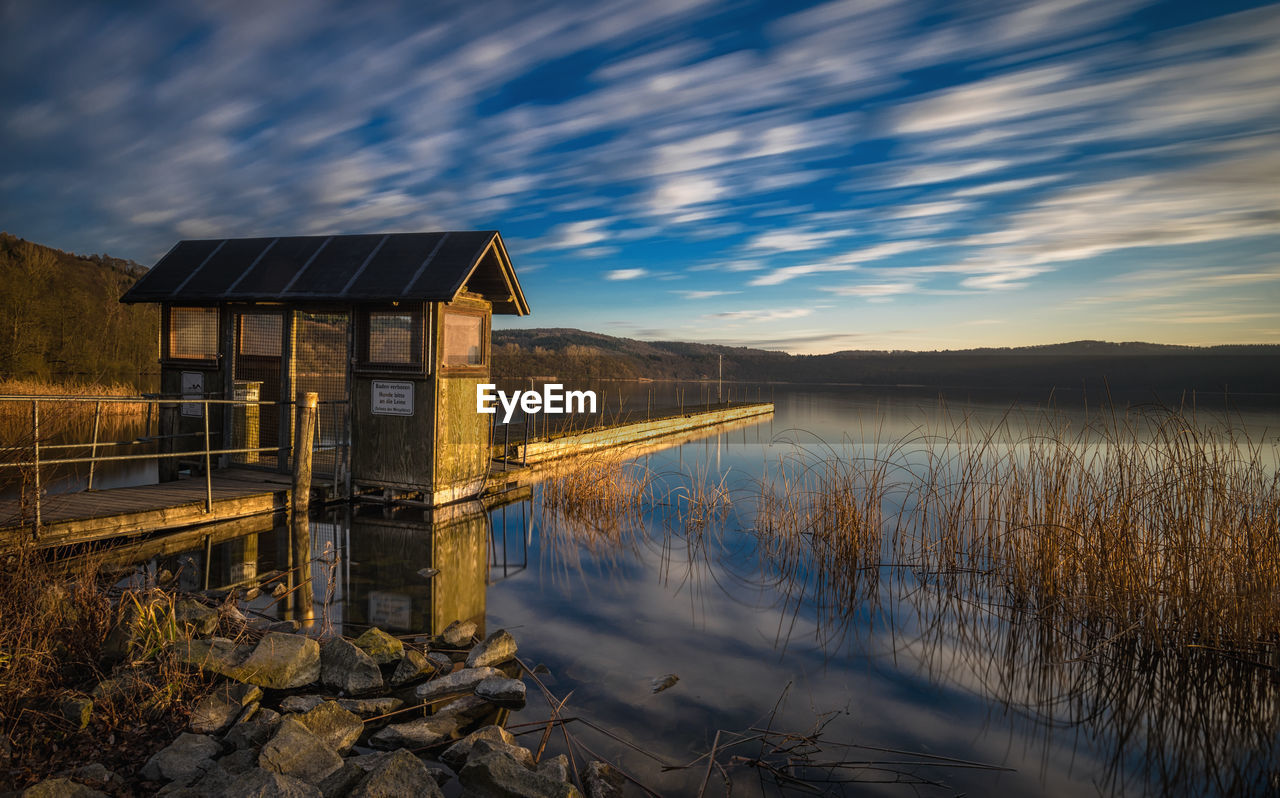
(166,405)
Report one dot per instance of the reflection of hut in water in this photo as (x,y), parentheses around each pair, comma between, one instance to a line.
(390,550)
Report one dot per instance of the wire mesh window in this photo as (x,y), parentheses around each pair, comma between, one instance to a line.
(320,350)
(463,339)
(193,333)
(394,337)
(261,334)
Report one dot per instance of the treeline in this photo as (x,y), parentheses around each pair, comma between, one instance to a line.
(1095,367)
(61,317)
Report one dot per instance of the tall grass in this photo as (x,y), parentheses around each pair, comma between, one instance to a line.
(1156,524)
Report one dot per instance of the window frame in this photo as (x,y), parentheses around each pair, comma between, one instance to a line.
(480,368)
(418,331)
(166,344)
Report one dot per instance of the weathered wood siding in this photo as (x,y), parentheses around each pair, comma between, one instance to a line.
(394,451)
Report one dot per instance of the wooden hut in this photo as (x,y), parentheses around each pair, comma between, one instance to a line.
(391,330)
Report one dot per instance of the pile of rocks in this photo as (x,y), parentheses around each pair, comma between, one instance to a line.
(294,716)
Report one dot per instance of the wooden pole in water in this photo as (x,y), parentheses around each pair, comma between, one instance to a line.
(304,435)
(93,452)
(35,449)
(300,526)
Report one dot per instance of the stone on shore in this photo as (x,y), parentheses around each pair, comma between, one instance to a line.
(419,733)
(399,773)
(282,661)
(364,707)
(184,760)
(214,655)
(219,709)
(338,728)
(261,783)
(61,788)
(602,780)
(455,756)
(76,710)
(502,691)
(496,649)
(197,618)
(296,751)
(496,774)
(414,665)
(458,634)
(556,768)
(380,646)
(254,729)
(347,668)
(463,681)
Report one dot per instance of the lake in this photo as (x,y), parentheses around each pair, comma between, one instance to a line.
(862,672)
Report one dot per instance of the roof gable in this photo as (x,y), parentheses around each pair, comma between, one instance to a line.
(358,269)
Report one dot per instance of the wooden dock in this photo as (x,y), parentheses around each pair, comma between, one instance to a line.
(123,512)
(527,464)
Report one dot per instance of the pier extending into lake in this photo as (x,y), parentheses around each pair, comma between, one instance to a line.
(205,494)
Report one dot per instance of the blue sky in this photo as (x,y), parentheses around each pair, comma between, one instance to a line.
(806,177)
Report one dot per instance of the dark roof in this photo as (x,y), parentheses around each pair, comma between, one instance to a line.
(347,269)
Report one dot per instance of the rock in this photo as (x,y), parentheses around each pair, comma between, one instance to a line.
(126,686)
(338,728)
(463,681)
(302,703)
(496,649)
(232,614)
(215,655)
(255,729)
(76,710)
(399,773)
(94,771)
(340,782)
(663,682)
(261,783)
(250,593)
(142,619)
(279,590)
(282,662)
(413,666)
(241,761)
(295,751)
(62,788)
(219,709)
(502,691)
(380,646)
(467,709)
(555,768)
(495,774)
(195,618)
(371,707)
(458,634)
(184,760)
(419,733)
(213,784)
(428,573)
(490,738)
(602,780)
(345,667)
(442,661)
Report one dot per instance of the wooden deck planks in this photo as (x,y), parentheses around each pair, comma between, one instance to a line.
(94,515)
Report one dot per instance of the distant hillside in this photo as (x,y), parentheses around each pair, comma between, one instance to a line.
(60,316)
(1096,366)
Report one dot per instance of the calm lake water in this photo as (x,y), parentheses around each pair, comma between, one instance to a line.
(914,692)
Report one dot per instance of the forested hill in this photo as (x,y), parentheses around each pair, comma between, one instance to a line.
(1095,366)
(61,317)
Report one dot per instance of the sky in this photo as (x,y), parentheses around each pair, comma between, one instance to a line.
(800,177)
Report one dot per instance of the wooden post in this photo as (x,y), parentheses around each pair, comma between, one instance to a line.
(35,447)
(304,435)
(93,452)
(208,472)
(300,527)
